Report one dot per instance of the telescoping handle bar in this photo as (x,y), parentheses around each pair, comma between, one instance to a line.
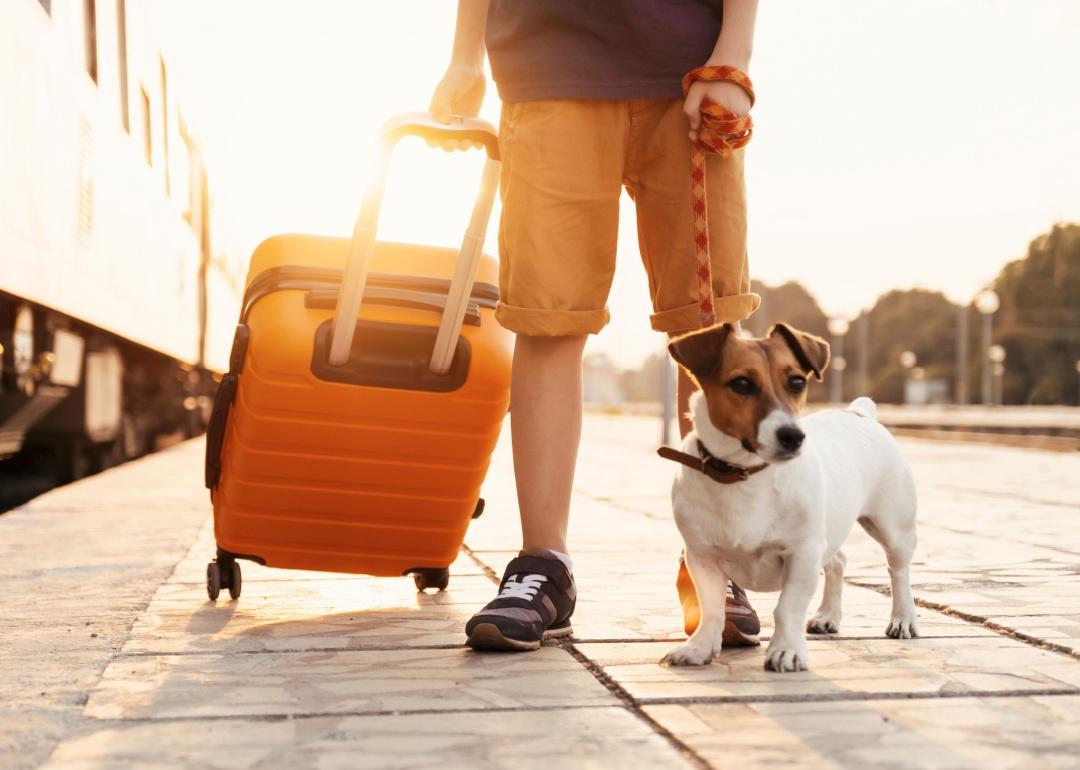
(460,129)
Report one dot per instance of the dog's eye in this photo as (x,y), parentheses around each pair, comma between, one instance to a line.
(796,383)
(744,386)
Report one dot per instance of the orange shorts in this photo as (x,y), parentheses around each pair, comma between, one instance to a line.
(565,163)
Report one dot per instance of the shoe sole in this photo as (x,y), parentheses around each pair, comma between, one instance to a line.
(487,636)
(733,637)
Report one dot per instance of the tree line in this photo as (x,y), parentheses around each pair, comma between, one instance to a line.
(1037,324)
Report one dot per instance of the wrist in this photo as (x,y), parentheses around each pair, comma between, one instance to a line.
(468,56)
(730,55)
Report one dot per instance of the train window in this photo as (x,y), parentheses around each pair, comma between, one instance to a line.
(122,57)
(90,37)
(148,135)
(165,123)
(47,5)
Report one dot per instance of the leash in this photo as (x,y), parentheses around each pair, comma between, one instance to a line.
(712,466)
(722,132)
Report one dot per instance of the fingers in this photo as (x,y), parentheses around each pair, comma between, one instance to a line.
(692,108)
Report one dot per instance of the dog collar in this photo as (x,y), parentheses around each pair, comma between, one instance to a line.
(716,469)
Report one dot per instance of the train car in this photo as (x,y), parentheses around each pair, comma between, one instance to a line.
(109,289)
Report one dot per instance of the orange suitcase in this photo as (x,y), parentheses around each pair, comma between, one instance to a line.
(366,389)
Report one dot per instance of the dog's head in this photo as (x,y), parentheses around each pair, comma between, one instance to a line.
(754,388)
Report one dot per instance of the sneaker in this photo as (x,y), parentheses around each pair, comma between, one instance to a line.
(535,602)
(741,624)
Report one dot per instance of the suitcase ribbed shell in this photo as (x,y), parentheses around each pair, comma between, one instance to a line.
(336,476)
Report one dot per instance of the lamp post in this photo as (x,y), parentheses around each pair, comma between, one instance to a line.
(960,394)
(667,397)
(1078,382)
(908,359)
(863,366)
(987,303)
(996,354)
(838,327)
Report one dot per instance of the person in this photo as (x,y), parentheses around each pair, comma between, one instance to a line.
(592,103)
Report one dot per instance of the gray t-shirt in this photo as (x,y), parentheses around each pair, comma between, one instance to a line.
(598,49)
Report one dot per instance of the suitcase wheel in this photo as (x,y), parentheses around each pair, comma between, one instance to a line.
(431,578)
(223,575)
(235,580)
(213,580)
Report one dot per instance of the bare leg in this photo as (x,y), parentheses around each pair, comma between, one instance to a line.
(684,388)
(787,651)
(711,584)
(827,618)
(545,423)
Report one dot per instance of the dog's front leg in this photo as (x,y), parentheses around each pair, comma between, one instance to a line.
(787,650)
(711,584)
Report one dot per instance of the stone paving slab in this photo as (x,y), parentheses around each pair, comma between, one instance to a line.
(540,740)
(77,566)
(945,734)
(326,670)
(842,668)
(339,682)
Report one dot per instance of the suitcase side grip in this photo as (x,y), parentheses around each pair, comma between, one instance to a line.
(223,400)
(215,429)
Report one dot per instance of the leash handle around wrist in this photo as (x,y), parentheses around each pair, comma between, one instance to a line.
(721,132)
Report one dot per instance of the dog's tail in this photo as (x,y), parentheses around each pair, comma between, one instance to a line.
(864,407)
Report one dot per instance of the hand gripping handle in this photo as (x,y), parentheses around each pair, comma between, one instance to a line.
(363,239)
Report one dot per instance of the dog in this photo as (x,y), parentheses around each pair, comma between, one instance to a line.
(768,499)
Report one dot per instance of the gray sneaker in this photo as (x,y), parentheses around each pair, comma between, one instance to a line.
(536,599)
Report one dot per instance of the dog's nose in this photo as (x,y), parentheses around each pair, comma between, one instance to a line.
(790,437)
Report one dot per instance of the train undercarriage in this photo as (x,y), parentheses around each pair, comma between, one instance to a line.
(75,400)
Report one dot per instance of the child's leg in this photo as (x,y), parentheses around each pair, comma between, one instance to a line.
(563,164)
(545,420)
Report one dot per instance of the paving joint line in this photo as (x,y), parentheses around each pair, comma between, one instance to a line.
(492,575)
(998,628)
(289,651)
(625,698)
(834,697)
(283,717)
(633,705)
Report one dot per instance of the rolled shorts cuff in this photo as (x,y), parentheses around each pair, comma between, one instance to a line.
(736,307)
(536,322)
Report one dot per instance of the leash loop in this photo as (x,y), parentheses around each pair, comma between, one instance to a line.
(722,132)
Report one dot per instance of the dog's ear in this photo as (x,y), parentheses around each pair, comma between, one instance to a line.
(699,351)
(811,351)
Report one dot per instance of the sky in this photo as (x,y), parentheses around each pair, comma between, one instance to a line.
(897,145)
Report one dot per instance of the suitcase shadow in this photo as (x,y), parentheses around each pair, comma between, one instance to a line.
(374,628)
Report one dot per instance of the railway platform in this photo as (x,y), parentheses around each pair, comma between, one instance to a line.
(112,656)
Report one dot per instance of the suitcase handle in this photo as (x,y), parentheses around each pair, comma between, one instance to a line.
(363,238)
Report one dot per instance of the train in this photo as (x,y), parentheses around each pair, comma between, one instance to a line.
(115,311)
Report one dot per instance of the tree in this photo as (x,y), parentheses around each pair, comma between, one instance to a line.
(1039,321)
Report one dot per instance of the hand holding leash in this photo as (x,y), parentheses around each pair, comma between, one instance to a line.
(720,131)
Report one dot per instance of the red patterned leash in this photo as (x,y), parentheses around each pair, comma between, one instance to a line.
(722,132)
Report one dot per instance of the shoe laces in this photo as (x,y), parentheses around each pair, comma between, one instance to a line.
(523,588)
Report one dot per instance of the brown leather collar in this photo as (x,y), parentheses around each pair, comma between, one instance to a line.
(713,467)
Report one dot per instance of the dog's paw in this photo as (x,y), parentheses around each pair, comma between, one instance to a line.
(688,654)
(903,627)
(787,657)
(823,623)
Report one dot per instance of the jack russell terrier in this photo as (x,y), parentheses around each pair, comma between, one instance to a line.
(759,505)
